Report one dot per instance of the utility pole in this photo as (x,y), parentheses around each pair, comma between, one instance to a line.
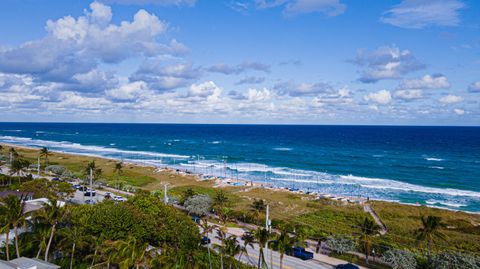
(91,184)
(267,221)
(38,167)
(165,196)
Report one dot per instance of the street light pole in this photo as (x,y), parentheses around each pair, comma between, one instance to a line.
(91,185)
(165,196)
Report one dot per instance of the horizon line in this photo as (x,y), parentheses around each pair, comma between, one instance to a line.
(244,124)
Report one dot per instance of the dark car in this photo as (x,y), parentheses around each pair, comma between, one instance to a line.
(82,188)
(347,266)
(301,253)
(196,219)
(89,193)
(205,240)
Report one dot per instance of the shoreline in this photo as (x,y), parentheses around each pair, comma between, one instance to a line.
(220,182)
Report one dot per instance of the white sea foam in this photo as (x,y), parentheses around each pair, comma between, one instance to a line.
(437,167)
(377,183)
(16,131)
(283,149)
(446,203)
(84,149)
(432,159)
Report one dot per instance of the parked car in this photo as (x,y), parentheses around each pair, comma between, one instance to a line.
(89,192)
(346,266)
(82,188)
(108,195)
(119,198)
(89,202)
(76,186)
(205,240)
(301,253)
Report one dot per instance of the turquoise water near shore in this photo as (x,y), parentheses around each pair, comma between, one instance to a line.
(436,166)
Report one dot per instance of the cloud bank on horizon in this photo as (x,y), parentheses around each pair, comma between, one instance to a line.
(251,61)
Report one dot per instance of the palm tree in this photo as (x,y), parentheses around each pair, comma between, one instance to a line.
(258,207)
(283,243)
(119,171)
(132,252)
(108,253)
(15,217)
(368,229)
(44,152)
(262,236)
(91,166)
(5,227)
(220,199)
(52,214)
(248,240)
(221,235)
(13,154)
(206,230)
(430,231)
(19,167)
(232,248)
(73,236)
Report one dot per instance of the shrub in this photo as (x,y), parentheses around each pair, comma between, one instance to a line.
(450,260)
(340,244)
(198,204)
(400,259)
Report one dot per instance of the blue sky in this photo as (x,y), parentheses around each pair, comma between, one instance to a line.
(245,61)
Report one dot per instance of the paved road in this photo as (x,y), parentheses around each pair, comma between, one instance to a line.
(289,262)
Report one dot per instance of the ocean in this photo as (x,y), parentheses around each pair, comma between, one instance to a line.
(435,166)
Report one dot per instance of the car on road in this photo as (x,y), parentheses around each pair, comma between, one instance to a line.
(196,219)
(347,266)
(205,240)
(301,253)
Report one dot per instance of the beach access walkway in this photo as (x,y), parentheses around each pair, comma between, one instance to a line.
(383,228)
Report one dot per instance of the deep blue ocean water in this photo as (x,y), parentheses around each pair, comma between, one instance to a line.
(437,166)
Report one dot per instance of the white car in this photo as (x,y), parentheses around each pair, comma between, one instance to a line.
(119,198)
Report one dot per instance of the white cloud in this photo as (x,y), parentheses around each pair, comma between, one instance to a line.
(459,111)
(382,97)
(255,95)
(163,77)
(206,89)
(128,92)
(426,82)
(239,68)
(474,87)
(152,2)
(302,89)
(388,62)
(423,13)
(78,45)
(451,99)
(408,94)
(330,8)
